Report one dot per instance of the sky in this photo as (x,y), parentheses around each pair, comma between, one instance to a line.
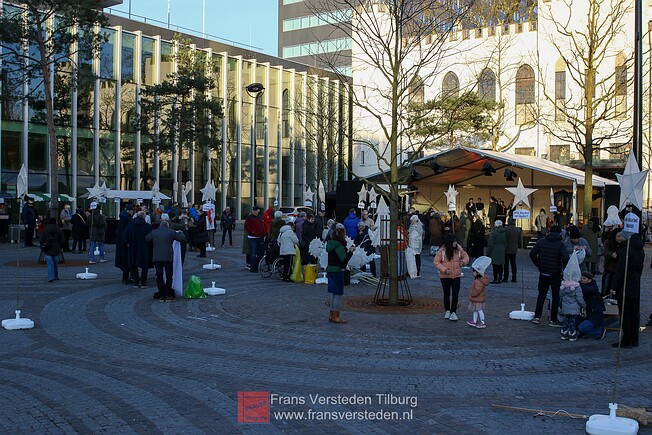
(250,22)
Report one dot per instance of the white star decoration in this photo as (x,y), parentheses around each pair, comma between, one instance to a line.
(373,196)
(631,183)
(362,195)
(155,190)
(95,191)
(308,194)
(208,192)
(521,193)
(451,195)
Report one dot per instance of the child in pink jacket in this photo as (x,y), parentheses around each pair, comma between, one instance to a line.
(478,292)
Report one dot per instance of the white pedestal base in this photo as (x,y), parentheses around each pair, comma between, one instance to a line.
(212,266)
(214,291)
(210,248)
(521,314)
(87,275)
(17,323)
(610,424)
(322,280)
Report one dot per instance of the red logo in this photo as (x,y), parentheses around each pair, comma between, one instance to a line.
(253,407)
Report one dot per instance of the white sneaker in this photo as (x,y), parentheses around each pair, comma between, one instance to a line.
(453,317)
(447,315)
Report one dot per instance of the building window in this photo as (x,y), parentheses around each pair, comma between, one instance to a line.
(416,91)
(525,151)
(478,33)
(450,87)
(620,91)
(260,117)
(286,114)
(525,95)
(560,91)
(560,153)
(487,85)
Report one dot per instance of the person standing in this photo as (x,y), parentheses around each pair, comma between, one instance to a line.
(227,224)
(512,242)
(255,229)
(338,257)
(52,240)
(121,250)
(541,223)
(496,250)
(476,238)
(575,242)
(478,292)
(96,224)
(449,261)
(288,242)
(465,224)
(610,254)
(549,256)
(309,232)
(415,241)
(493,211)
(66,226)
(79,231)
(163,257)
(470,208)
(201,234)
(138,252)
(29,216)
(627,286)
(351,224)
(362,240)
(436,230)
(364,217)
(591,232)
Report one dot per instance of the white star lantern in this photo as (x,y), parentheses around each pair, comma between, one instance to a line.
(208,192)
(631,183)
(521,193)
(362,195)
(451,197)
(307,197)
(95,191)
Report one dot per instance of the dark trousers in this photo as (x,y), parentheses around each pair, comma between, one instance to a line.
(607,278)
(202,249)
(66,236)
(255,252)
(230,231)
(510,259)
(498,272)
(417,259)
(139,279)
(164,285)
(630,319)
(29,235)
(552,282)
(451,288)
(287,264)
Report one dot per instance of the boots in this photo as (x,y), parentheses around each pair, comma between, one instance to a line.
(334,317)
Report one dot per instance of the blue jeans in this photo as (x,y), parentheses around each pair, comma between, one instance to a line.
(91,251)
(255,252)
(588,328)
(570,323)
(53,267)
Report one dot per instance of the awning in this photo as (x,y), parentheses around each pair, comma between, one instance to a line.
(38,197)
(130,194)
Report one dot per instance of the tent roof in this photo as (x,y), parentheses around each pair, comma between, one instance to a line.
(463,166)
(130,194)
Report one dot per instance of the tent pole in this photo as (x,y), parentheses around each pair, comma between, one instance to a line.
(574,203)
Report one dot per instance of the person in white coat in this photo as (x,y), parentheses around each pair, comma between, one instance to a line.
(287,241)
(415,243)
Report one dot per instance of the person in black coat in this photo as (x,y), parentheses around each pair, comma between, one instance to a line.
(79,231)
(201,235)
(627,286)
(476,238)
(549,255)
(121,262)
(309,232)
(29,216)
(52,240)
(139,253)
(592,326)
(364,241)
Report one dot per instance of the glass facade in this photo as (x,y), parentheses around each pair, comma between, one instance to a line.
(264,143)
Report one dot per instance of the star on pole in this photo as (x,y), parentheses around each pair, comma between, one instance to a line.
(362,194)
(631,183)
(208,192)
(95,191)
(521,193)
(451,196)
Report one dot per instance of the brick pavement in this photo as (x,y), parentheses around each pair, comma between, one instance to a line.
(105,357)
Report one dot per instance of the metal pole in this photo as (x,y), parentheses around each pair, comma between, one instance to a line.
(130,9)
(638,83)
(169,14)
(203,18)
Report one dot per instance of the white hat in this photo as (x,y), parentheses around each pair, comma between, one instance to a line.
(572,271)
(480,264)
(414,218)
(612,217)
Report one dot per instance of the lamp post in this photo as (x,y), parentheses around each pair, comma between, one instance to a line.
(254,90)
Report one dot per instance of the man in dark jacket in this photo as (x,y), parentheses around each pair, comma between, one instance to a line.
(163,257)
(52,240)
(255,229)
(29,217)
(139,255)
(592,325)
(96,225)
(627,286)
(512,242)
(549,255)
(309,232)
(120,245)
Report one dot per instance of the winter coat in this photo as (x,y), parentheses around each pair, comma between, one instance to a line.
(571,298)
(550,255)
(476,239)
(96,225)
(581,256)
(162,239)
(512,239)
(362,240)
(496,246)
(309,232)
(415,237)
(593,239)
(298,226)
(442,263)
(65,216)
(139,253)
(478,292)
(634,269)
(436,227)
(541,223)
(79,229)
(120,246)
(610,263)
(275,228)
(54,236)
(28,215)
(268,217)
(465,222)
(254,226)
(338,257)
(351,225)
(201,234)
(287,240)
(594,303)
(227,220)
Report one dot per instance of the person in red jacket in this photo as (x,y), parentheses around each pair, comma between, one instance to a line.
(254,225)
(268,217)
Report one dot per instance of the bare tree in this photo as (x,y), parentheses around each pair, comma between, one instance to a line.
(591,111)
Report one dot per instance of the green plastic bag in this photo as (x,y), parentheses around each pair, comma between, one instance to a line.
(194,289)
(297,272)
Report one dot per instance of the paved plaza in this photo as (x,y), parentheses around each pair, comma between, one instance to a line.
(106,357)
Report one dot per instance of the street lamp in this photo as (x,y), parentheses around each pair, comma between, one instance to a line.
(254,90)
